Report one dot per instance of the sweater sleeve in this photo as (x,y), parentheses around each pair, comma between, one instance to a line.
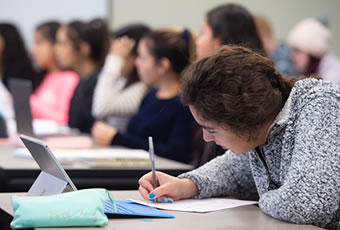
(311,188)
(179,145)
(108,101)
(226,175)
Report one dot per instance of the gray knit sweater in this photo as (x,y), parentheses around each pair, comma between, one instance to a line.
(302,152)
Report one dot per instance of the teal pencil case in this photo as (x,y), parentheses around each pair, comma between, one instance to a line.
(72,209)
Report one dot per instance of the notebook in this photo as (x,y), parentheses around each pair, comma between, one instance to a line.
(129,208)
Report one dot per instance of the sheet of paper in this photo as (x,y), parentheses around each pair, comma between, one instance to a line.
(198,205)
(42,126)
(91,154)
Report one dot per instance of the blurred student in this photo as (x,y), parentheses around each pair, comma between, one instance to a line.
(283,136)
(15,61)
(311,54)
(279,52)
(227,24)
(119,91)
(52,99)
(82,47)
(162,56)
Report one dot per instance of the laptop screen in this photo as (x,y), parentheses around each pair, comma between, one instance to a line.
(21,91)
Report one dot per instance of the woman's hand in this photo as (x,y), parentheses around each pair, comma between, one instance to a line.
(170,188)
(122,47)
(103,133)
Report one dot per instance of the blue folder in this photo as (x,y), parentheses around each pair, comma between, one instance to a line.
(132,209)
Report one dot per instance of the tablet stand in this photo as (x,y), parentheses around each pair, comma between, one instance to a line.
(47,184)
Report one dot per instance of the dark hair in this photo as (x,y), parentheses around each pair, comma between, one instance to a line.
(49,30)
(15,61)
(75,31)
(177,46)
(237,88)
(234,25)
(95,33)
(136,32)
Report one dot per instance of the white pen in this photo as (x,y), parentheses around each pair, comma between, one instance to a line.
(152,160)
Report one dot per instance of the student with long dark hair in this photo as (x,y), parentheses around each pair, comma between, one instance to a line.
(82,47)
(162,56)
(52,98)
(14,63)
(282,134)
(225,24)
(228,24)
(119,91)
(14,58)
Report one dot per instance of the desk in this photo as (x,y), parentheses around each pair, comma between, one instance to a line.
(246,217)
(20,173)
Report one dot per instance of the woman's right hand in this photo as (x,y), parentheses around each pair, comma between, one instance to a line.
(170,188)
(122,47)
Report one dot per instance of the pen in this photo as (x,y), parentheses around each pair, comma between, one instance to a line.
(152,159)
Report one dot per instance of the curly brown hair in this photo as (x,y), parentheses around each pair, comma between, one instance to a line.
(237,88)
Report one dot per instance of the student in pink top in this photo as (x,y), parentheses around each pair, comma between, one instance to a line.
(52,99)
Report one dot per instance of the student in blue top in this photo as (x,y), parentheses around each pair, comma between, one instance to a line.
(162,56)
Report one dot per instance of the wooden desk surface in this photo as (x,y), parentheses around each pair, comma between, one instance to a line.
(246,217)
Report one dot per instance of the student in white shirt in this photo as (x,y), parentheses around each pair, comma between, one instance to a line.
(119,91)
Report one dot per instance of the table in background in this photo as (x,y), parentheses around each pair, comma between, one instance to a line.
(20,173)
(246,217)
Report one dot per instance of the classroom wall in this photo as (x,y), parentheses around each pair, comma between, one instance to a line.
(189,13)
(27,14)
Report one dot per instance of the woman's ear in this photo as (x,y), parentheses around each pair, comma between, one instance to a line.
(164,65)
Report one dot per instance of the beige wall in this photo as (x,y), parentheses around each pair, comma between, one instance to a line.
(189,13)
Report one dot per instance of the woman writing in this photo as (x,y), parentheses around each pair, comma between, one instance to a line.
(282,135)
